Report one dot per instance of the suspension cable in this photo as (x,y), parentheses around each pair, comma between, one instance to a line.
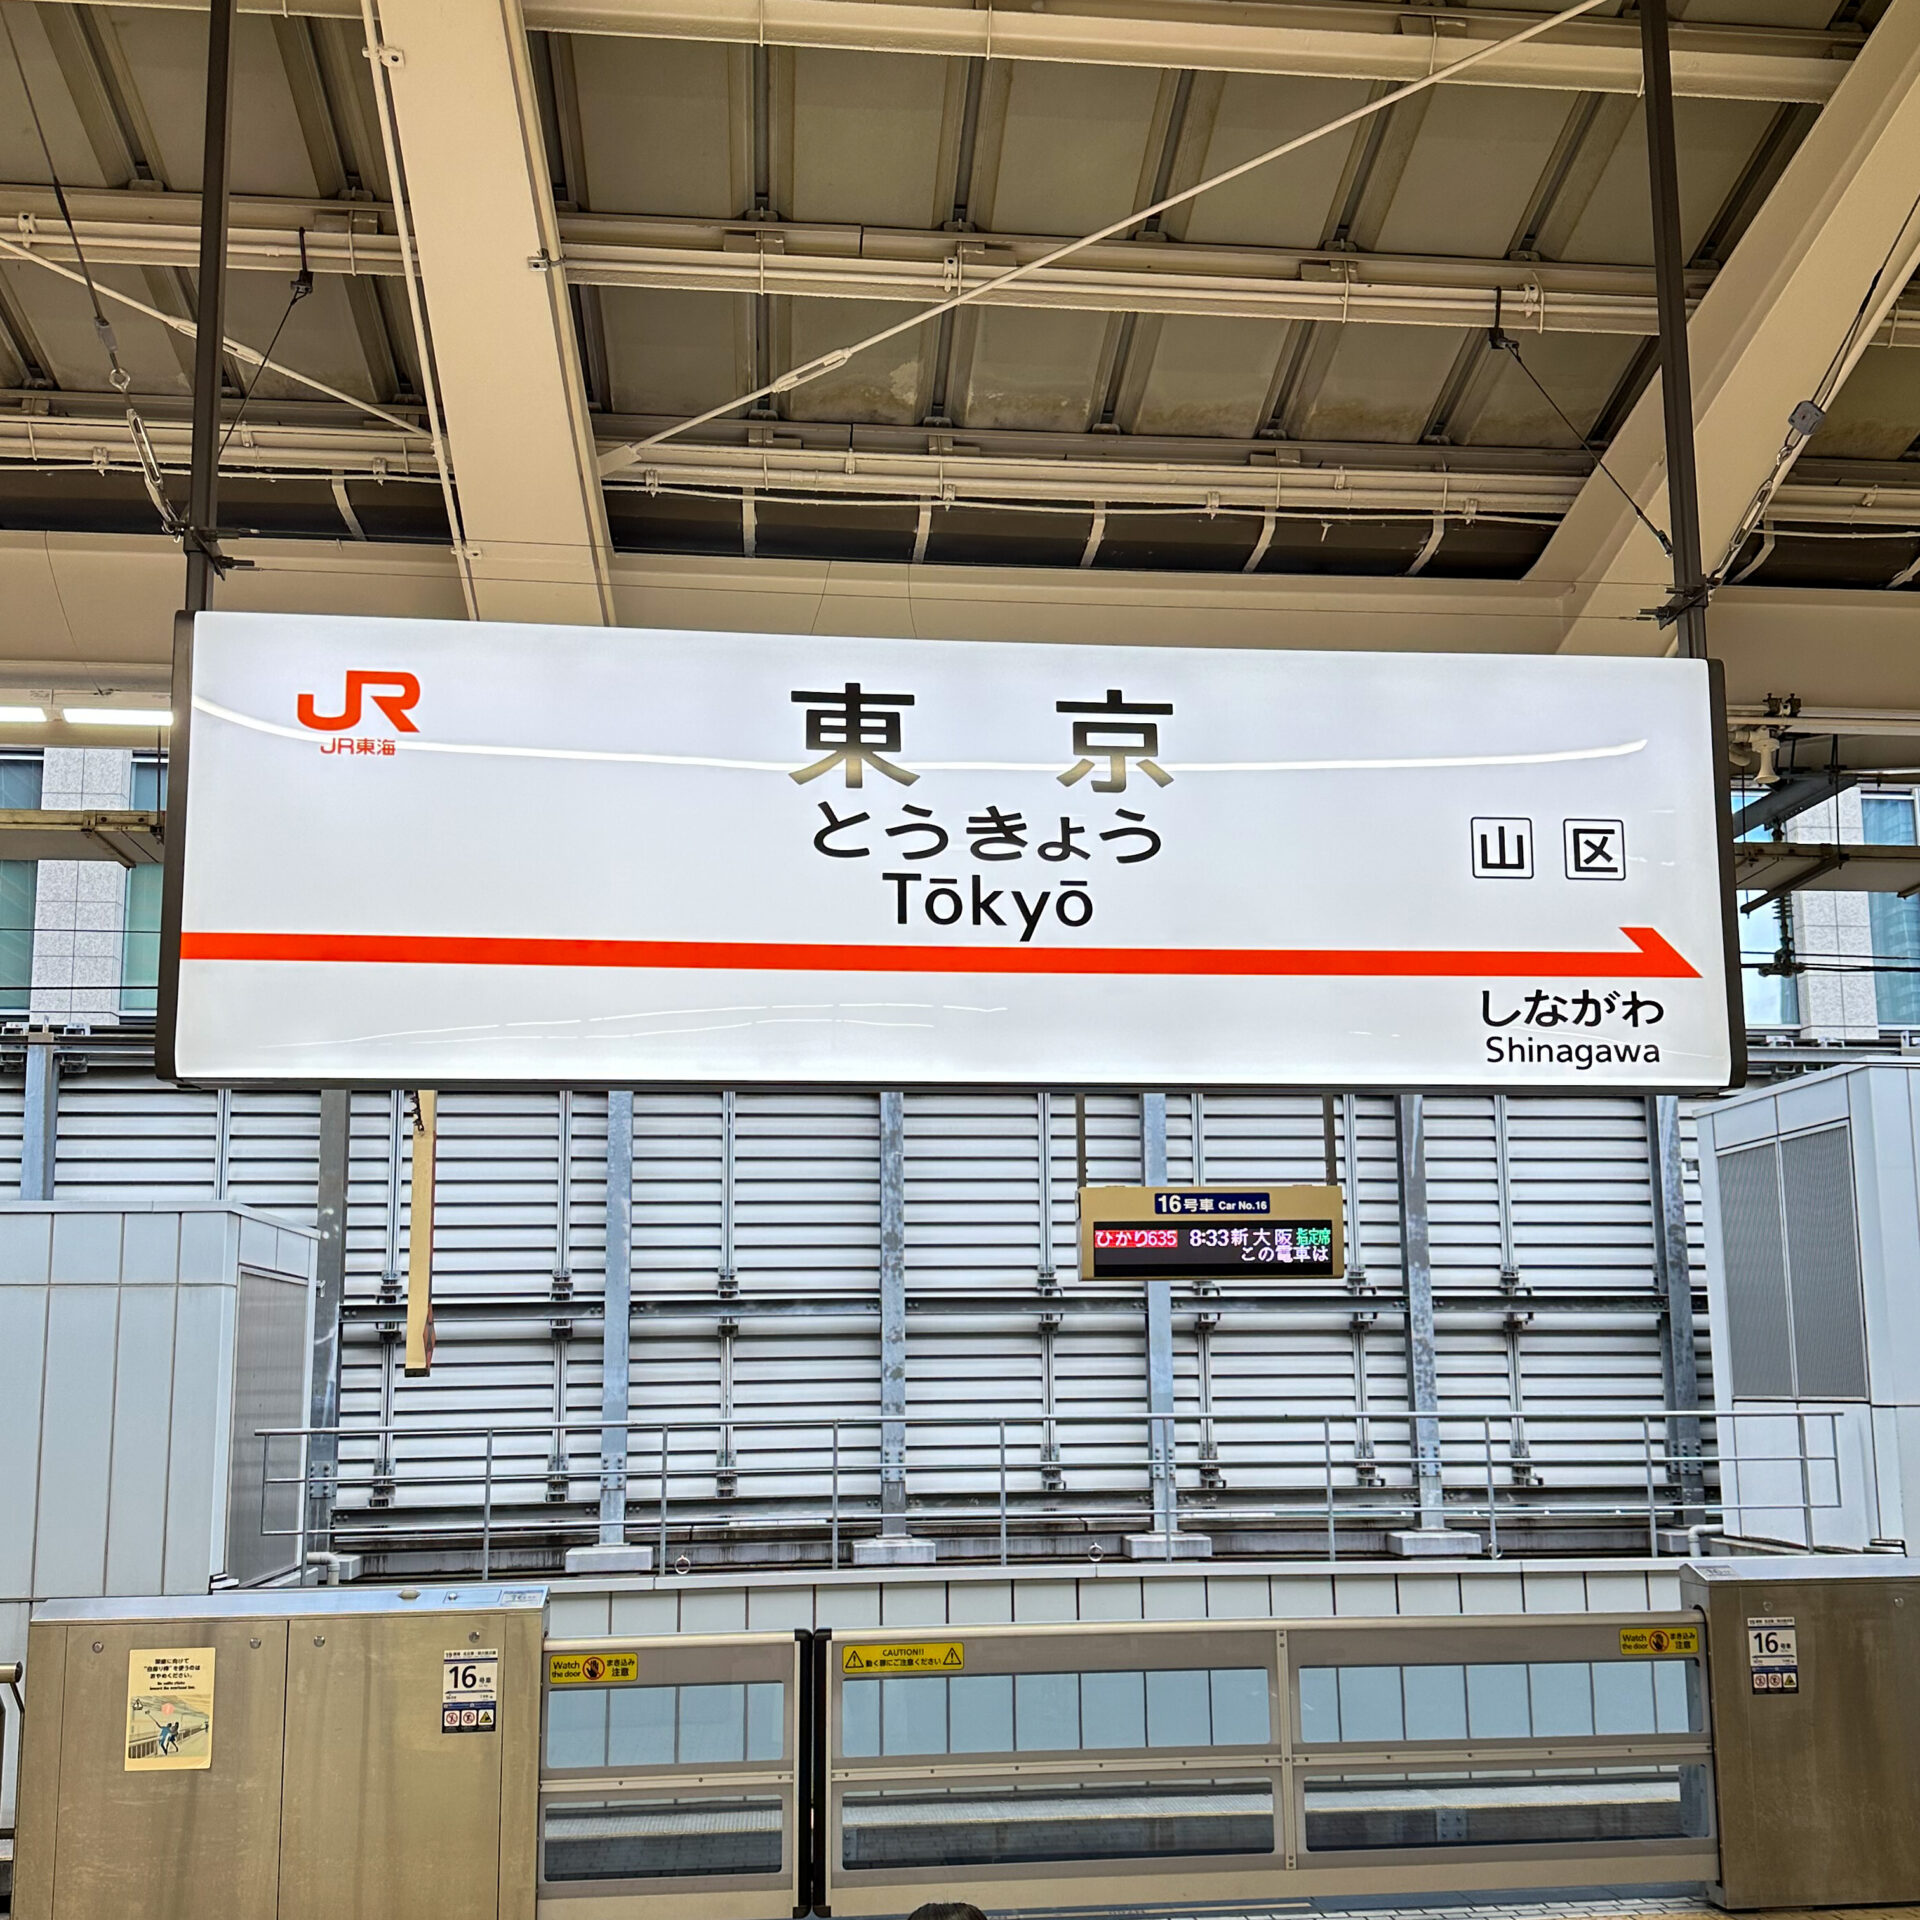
(617,458)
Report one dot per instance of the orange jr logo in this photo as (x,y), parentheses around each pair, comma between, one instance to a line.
(402,692)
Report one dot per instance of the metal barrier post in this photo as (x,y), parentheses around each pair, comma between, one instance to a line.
(329,1297)
(616,1322)
(1673,1275)
(486,1515)
(306,1469)
(39,1119)
(660,1565)
(1160,1434)
(1806,1480)
(893,1316)
(1493,1519)
(1653,1515)
(1326,1448)
(1417,1262)
(1003,1493)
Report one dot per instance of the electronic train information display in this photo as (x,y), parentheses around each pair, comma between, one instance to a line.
(1203,1233)
(1187,1250)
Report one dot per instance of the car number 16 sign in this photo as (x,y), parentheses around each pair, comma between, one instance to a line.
(422,852)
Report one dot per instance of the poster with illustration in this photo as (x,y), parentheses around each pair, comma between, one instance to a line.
(169,1709)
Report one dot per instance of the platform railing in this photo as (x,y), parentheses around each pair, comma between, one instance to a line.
(1654,1474)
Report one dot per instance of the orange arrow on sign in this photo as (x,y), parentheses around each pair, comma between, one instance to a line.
(1653,957)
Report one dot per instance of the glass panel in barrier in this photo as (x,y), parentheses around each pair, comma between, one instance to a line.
(639,1727)
(629,1839)
(1118,1711)
(1370,1704)
(1240,1717)
(1623,1697)
(766,1720)
(1562,1692)
(577,1727)
(1436,1702)
(1177,1711)
(1046,1711)
(1546,1699)
(1113,1709)
(979,1713)
(1678,1698)
(713,1723)
(1319,1704)
(913,1714)
(661,1726)
(984,1826)
(1497,1706)
(1482,1808)
(860,1719)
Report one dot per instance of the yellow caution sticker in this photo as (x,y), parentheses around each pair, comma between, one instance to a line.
(592,1669)
(1653,1643)
(904,1656)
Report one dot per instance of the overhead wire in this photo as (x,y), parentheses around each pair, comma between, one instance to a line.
(117,376)
(302,285)
(236,348)
(615,459)
(152,475)
(1501,341)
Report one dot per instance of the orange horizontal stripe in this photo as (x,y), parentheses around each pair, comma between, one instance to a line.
(1653,957)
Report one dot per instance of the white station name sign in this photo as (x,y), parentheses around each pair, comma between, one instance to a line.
(423,852)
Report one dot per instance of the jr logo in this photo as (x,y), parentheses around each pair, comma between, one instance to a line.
(403,691)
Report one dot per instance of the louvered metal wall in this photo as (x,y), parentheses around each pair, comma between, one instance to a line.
(756,1253)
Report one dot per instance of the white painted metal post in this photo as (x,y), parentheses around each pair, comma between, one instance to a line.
(39,1121)
(1153,1171)
(616,1324)
(1673,1273)
(893,1315)
(329,1290)
(1417,1262)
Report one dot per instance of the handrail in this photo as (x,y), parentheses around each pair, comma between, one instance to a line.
(1649,1468)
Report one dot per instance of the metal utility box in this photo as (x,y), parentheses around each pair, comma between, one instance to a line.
(286,1755)
(1815,1675)
(141,1346)
(1811,1196)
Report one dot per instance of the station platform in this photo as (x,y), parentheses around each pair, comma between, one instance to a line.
(1598,1904)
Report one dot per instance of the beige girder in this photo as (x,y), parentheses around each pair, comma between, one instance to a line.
(504,350)
(1345,41)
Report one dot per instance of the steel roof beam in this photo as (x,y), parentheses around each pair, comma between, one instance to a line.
(878,464)
(1828,253)
(504,349)
(1340,41)
(1780,867)
(1350,41)
(1792,795)
(106,598)
(868,263)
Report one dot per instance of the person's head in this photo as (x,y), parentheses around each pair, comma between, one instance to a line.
(947,1910)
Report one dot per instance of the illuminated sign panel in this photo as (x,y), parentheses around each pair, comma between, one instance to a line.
(427,852)
(1211,1233)
(1122,1251)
